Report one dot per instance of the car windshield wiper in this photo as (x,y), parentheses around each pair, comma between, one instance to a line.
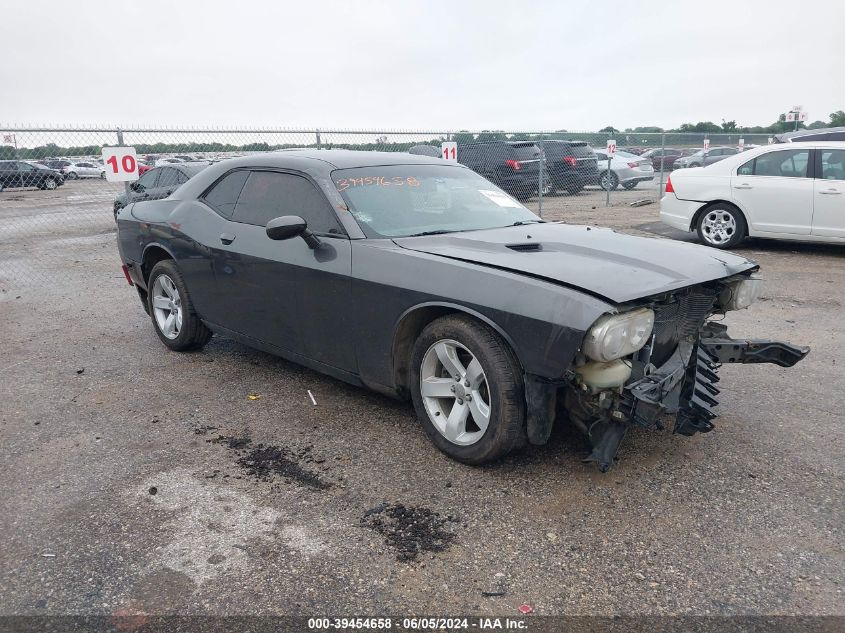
(523,222)
(437,232)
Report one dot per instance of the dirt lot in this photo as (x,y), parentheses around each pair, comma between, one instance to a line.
(136,479)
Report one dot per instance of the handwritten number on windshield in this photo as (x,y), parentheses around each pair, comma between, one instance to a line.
(379,181)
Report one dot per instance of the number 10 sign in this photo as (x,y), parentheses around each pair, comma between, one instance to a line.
(120,164)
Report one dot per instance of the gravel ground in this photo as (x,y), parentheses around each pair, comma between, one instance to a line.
(140,480)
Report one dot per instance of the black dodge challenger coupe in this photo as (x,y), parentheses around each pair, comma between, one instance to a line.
(420,279)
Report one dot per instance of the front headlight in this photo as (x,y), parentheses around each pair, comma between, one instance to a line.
(741,294)
(616,335)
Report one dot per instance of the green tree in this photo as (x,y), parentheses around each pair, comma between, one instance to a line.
(729,126)
(837,119)
(7,152)
(609,130)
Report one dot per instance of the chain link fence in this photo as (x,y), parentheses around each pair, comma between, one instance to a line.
(55,202)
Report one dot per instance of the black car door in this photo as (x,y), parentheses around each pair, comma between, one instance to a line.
(29,176)
(283,292)
(9,174)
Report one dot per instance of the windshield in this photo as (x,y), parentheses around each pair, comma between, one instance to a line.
(406,200)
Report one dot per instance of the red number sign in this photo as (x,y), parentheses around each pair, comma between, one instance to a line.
(449,151)
(121,164)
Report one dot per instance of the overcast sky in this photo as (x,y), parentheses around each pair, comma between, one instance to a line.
(419,65)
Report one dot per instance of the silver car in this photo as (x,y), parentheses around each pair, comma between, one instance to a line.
(626,169)
(83,169)
(702,158)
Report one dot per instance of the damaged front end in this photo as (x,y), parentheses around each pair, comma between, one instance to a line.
(674,369)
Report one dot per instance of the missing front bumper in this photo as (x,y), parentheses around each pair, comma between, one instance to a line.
(685,385)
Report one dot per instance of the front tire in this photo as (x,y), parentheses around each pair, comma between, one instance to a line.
(72,175)
(171,310)
(721,225)
(50,184)
(467,389)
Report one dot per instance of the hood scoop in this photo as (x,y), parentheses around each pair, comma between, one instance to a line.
(526,247)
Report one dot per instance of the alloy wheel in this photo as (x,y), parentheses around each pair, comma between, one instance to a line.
(167,306)
(50,183)
(455,392)
(718,226)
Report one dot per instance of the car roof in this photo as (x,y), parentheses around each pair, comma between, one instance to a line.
(334,158)
(511,143)
(787,136)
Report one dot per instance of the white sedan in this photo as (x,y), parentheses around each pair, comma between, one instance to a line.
(778,191)
(84,169)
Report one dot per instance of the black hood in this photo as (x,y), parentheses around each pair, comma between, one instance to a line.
(600,261)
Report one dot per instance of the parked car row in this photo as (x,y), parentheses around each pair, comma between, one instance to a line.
(568,166)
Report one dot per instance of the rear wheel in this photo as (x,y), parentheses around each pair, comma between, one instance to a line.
(609,180)
(50,183)
(630,185)
(171,310)
(467,390)
(72,175)
(721,225)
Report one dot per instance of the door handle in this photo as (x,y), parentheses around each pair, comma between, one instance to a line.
(830,191)
(227,238)
(744,185)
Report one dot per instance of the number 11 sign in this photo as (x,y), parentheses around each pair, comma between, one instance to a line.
(120,164)
(449,151)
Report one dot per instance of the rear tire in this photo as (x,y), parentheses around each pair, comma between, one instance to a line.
(721,225)
(481,416)
(608,180)
(50,184)
(171,310)
(629,185)
(72,175)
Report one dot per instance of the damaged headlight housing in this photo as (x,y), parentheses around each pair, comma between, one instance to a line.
(740,294)
(616,335)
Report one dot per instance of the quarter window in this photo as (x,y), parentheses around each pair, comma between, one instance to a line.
(833,164)
(224,195)
(267,195)
(784,164)
(169,177)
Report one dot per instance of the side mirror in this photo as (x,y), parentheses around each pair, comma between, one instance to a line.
(136,186)
(288,226)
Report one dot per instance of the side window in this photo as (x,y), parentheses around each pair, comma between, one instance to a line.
(267,195)
(788,164)
(25,167)
(148,180)
(181,178)
(746,169)
(833,164)
(601,156)
(224,195)
(169,177)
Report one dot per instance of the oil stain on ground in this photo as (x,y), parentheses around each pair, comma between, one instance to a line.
(265,462)
(410,530)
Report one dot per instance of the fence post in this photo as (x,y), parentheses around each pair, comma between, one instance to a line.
(540,180)
(318,139)
(662,163)
(125,184)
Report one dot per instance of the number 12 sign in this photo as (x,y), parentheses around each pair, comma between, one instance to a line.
(611,147)
(449,151)
(120,164)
